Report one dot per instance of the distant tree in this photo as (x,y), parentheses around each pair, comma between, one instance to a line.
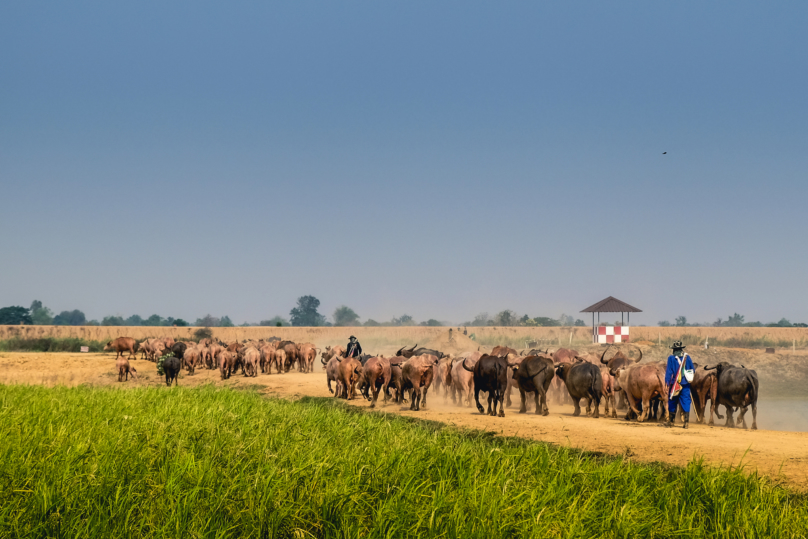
(70,318)
(736,320)
(681,321)
(14,316)
(154,320)
(134,320)
(545,321)
(40,315)
(431,322)
(783,323)
(481,319)
(112,321)
(225,322)
(566,320)
(579,322)
(506,318)
(92,323)
(800,325)
(403,320)
(276,321)
(345,316)
(305,314)
(718,322)
(371,323)
(179,322)
(663,323)
(207,321)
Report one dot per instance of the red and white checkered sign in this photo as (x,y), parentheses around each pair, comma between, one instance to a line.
(611,334)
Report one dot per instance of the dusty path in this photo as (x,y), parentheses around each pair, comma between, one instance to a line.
(779,455)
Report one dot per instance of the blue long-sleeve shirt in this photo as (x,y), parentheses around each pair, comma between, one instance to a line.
(673,368)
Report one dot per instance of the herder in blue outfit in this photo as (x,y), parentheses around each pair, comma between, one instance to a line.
(678,377)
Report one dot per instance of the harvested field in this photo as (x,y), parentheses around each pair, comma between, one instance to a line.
(782,456)
(379,337)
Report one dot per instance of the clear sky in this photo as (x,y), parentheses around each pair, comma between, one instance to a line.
(432,158)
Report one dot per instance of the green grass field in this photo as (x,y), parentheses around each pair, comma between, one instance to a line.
(87,462)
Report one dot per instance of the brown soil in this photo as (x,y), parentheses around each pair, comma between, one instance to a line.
(782,456)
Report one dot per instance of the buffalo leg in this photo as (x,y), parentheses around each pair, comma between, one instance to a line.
(576,401)
(523,407)
(423,397)
(730,412)
(477,400)
(754,415)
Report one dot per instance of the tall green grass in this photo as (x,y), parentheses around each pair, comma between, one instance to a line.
(184,462)
(49,344)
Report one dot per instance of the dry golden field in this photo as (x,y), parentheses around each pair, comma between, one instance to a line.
(486,336)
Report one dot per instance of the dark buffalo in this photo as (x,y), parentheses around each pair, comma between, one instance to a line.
(583,381)
(412,352)
(491,376)
(171,366)
(534,375)
(735,387)
(179,349)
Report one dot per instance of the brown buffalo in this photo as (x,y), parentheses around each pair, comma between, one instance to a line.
(332,375)
(227,363)
(375,377)
(462,382)
(307,352)
(639,384)
(417,374)
(191,358)
(701,389)
(330,352)
(608,390)
(349,372)
(124,369)
(502,351)
(251,359)
(121,345)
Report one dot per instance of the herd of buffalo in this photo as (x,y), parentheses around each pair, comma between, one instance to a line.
(619,380)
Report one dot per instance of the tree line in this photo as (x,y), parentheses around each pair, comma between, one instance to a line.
(306,313)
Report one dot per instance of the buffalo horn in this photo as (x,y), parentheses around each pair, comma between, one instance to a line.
(708,368)
(604,355)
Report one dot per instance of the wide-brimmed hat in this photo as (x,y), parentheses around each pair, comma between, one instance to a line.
(677,345)
(351,338)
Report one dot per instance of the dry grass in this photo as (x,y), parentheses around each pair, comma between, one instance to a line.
(386,338)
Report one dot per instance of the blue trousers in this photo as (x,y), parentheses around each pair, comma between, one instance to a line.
(682,398)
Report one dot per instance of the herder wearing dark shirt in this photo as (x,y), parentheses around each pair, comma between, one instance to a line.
(354,349)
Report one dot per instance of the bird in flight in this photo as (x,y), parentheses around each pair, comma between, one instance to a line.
(663,153)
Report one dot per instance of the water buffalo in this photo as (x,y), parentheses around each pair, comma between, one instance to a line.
(332,375)
(191,358)
(417,374)
(121,345)
(124,369)
(227,363)
(179,349)
(462,382)
(640,384)
(502,351)
(412,352)
(251,358)
(533,375)
(490,375)
(608,390)
(171,367)
(736,386)
(349,372)
(375,376)
(330,352)
(701,389)
(306,353)
(583,381)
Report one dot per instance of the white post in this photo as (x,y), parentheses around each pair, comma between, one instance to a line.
(659,339)
(570,338)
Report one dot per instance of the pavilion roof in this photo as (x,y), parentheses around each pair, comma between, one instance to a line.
(611,305)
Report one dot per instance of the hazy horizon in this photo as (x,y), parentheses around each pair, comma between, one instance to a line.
(432,160)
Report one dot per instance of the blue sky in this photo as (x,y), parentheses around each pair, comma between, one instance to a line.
(436,159)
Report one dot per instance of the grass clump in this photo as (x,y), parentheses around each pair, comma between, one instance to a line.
(155,462)
(49,344)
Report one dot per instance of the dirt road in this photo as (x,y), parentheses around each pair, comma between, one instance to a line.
(783,456)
